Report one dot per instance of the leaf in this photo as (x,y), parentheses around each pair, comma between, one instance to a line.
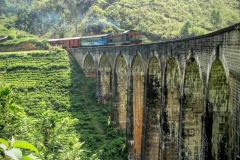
(11,154)
(3,141)
(25,145)
(4,91)
(27,158)
(30,157)
(3,147)
(17,152)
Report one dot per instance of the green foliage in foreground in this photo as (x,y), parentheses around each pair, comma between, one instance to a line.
(61,110)
(15,150)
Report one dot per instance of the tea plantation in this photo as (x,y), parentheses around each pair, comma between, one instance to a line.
(52,83)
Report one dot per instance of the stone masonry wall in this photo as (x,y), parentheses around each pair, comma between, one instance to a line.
(138,96)
(170,139)
(192,112)
(187,108)
(152,136)
(105,72)
(120,96)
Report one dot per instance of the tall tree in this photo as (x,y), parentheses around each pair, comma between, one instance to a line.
(216,19)
(2,6)
(185,29)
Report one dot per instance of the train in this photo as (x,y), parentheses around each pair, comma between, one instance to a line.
(125,38)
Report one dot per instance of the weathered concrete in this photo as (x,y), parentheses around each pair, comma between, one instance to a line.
(177,99)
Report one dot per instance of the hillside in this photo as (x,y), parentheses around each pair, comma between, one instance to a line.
(158,20)
(61,106)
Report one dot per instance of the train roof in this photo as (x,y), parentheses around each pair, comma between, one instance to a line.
(125,32)
(62,39)
(131,30)
(95,36)
(51,40)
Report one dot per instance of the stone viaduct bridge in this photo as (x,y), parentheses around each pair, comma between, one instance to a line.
(175,100)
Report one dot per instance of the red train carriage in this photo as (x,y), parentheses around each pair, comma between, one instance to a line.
(64,42)
(74,42)
(70,42)
(53,42)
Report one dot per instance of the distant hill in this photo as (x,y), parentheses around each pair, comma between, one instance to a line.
(158,20)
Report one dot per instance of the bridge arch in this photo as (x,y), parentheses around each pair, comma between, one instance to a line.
(105,74)
(218,111)
(152,110)
(120,95)
(137,60)
(172,109)
(89,67)
(221,57)
(137,74)
(192,109)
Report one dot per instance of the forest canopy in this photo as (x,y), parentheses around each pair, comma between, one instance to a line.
(158,20)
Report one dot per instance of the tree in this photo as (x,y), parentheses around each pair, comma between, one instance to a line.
(216,19)
(59,31)
(185,29)
(95,20)
(2,6)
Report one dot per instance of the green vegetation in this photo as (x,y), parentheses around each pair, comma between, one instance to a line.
(45,98)
(61,116)
(13,150)
(158,20)
(17,37)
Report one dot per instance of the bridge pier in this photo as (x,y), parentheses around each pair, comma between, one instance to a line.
(177,99)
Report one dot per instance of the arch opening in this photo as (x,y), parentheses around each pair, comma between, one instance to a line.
(192,112)
(153,110)
(89,66)
(218,113)
(120,96)
(105,72)
(172,110)
(137,104)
